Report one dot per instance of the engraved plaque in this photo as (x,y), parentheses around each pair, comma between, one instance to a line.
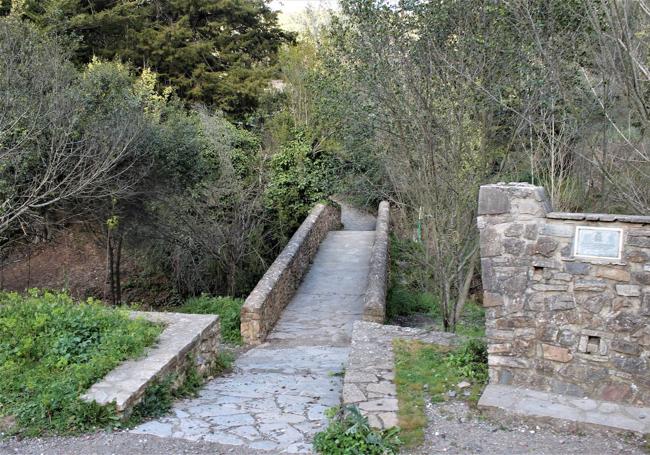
(598,242)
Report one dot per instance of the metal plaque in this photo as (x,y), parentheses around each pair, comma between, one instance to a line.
(598,242)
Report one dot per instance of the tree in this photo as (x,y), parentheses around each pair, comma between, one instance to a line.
(219,53)
(55,145)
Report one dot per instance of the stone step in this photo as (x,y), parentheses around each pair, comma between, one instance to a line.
(585,411)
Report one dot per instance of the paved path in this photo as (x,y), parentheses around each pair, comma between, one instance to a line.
(277,395)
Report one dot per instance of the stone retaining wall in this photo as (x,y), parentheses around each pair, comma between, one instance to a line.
(374,308)
(187,341)
(558,317)
(273,292)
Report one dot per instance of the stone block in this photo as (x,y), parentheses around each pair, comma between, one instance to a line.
(550,287)
(531,231)
(556,353)
(615,392)
(490,243)
(625,347)
(499,348)
(611,273)
(509,362)
(514,230)
(641,241)
(544,246)
(492,299)
(514,246)
(352,393)
(567,388)
(563,302)
(493,200)
(561,276)
(590,285)
(595,303)
(642,278)
(632,365)
(645,304)
(628,290)
(567,337)
(636,255)
(577,268)
(625,322)
(558,230)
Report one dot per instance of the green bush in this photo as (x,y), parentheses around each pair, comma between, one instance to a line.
(227,308)
(52,350)
(349,433)
(302,173)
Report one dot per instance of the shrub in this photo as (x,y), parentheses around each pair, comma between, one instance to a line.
(302,173)
(53,349)
(349,433)
(227,308)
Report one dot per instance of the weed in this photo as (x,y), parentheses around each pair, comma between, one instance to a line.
(349,433)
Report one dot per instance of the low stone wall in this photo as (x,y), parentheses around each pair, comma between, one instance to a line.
(369,381)
(567,297)
(188,340)
(273,292)
(374,308)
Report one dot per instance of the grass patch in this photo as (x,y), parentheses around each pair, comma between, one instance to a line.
(349,433)
(426,370)
(52,349)
(227,308)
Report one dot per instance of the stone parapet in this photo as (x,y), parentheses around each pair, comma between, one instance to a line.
(565,318)
(273,292)
(374,309)
(187,341)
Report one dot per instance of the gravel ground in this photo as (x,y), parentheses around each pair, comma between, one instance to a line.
(456,429)
(117,444)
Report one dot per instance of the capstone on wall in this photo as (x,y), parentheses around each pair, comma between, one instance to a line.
(558,319)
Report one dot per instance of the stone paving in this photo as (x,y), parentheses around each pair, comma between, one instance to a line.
(277,395)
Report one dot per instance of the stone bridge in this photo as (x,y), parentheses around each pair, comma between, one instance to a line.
(300,318)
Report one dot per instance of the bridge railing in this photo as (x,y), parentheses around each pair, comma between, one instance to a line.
(274,291)
(374,309)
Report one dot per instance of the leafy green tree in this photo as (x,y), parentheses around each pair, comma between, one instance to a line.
(220,53)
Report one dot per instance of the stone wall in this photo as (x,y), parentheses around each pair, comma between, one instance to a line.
(273,292)
(188,341)
(558,321)
(374,308)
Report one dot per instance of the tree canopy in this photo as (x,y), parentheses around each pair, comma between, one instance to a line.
(221,53)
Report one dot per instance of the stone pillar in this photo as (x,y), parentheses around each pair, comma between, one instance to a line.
(509,218)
